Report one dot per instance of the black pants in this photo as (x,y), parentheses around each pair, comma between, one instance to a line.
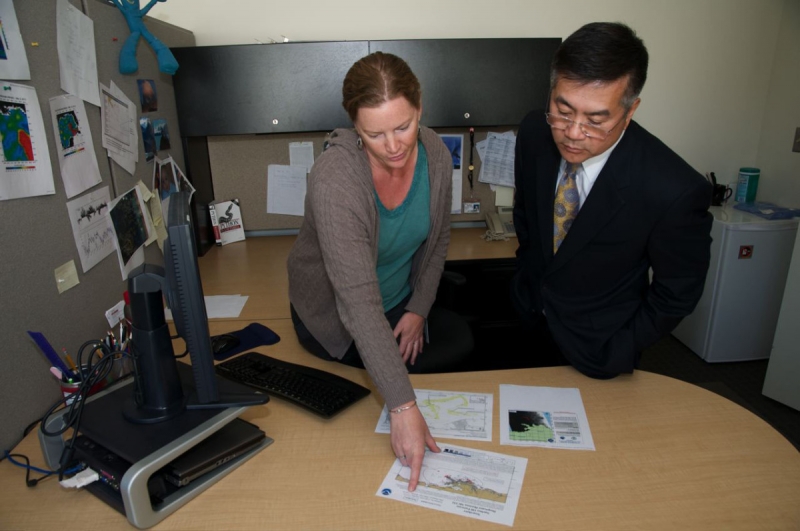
(450,341)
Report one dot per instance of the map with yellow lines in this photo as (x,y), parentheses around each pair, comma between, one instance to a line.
(451,414)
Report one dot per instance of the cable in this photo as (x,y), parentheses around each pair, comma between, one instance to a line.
(91,374)
(32,482)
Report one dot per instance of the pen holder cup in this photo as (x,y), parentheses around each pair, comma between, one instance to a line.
(720,194)
(67,388)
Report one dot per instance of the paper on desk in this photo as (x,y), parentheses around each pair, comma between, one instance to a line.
(451,414)
(301,154)
(220,306)
(548,417)
(462,481)
(286,189)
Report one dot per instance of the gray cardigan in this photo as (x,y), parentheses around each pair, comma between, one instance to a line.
(333,284)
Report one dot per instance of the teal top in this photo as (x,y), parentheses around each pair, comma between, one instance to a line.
(402,231)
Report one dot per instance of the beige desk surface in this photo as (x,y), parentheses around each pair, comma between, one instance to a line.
(669,456)
(256,267)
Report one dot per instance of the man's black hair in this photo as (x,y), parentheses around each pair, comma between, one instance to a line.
(603,51)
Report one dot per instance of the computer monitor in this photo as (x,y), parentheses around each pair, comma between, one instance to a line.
(158,393)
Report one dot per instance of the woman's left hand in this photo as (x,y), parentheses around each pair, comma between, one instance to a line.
(410,331)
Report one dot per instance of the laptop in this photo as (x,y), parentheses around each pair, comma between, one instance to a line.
(231,441)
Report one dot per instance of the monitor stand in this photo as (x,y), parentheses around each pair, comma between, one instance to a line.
(150,447)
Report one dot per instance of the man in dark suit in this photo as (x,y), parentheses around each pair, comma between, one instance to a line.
(599,201)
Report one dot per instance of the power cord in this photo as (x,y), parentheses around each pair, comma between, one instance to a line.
(91,375)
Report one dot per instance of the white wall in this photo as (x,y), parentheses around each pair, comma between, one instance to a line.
(715,64)
(780,167)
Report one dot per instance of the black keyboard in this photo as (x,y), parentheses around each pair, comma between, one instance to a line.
(320,392)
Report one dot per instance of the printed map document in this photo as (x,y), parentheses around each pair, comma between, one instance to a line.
(548,417)
(451,414)
(463,481)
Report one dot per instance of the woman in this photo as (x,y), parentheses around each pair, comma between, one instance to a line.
(365,268)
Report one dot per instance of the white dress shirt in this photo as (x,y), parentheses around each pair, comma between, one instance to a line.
(588,171)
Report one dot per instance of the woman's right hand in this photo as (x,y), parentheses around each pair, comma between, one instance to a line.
(410,436)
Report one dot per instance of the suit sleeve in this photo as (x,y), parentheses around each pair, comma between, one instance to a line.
(679,253)
(520,212)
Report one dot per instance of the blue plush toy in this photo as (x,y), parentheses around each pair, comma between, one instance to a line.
(127,56)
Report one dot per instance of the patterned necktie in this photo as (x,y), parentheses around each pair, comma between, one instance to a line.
(566,205)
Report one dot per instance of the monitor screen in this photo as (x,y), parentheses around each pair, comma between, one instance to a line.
(158,392)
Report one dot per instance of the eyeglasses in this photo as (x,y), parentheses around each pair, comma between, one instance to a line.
(562,123)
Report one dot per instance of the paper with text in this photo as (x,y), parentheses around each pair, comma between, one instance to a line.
(301,154)
(77,59)
(91,228)
(26,169)
(547,417)
(76,156)
(13,60)
(286,189)
(451,414)
(462,481)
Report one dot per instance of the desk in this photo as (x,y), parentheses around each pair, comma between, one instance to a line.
(669,456)
(257,267)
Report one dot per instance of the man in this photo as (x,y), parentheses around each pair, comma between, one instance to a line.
(599,201)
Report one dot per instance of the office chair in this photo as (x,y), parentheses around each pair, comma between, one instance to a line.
(452,331)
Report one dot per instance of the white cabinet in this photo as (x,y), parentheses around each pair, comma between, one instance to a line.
(782,382)
(736,317)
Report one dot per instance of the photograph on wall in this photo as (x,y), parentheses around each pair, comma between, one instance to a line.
(132,229)
(183,182)
(75,148)
(156,188)
(148,138)
(162,134)
(455,145)
(148,95)
(169,182)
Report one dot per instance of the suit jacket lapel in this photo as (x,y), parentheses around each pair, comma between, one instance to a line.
(602,204)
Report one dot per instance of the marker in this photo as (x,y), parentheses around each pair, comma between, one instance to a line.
(56,373)
(50,352)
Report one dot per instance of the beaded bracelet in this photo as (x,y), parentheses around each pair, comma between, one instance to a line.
(403,408)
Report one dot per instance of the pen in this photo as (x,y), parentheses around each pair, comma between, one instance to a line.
(69,359)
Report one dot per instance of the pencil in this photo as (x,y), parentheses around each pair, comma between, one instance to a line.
(69,359)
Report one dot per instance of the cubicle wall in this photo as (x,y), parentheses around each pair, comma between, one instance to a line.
(37,237)
(265,96)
